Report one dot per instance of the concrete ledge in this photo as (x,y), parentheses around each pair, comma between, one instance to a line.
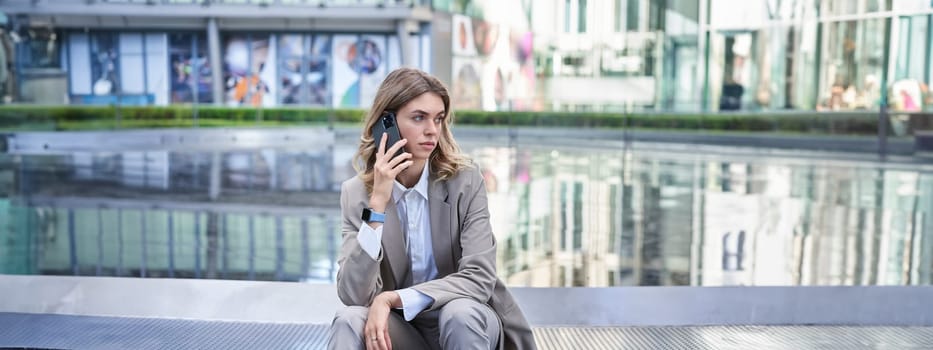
(285,302)
(278,302)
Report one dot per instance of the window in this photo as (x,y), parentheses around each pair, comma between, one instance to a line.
(304,62)
(248,72)
(105,60)
(581,17)
(577,215)
(852,65)
(190,69)
(574,16)
(567,16)
(40,49)
(617,14)
(913,66)
(631,15)
(110,68)
(656,11)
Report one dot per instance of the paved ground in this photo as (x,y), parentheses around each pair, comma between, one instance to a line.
(47,331)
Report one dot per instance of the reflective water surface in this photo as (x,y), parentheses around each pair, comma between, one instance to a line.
(583,213)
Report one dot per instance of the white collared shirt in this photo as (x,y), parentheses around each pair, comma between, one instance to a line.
(414,216)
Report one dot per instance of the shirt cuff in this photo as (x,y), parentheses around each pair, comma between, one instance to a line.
(413,302)
(370,240)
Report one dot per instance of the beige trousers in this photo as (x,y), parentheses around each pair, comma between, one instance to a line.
(461,324)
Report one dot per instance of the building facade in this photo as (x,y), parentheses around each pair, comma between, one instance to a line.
(235,53)
(572,55)
(710,55)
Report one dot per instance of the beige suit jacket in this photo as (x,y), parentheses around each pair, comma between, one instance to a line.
(464,251)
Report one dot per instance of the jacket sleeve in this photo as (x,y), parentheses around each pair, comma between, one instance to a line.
(358,278)
(475,277)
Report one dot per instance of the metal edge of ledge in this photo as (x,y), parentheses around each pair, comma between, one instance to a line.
(709,306)
(287,302)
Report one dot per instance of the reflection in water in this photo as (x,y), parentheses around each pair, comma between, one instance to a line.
(585,217)
(563,216)
(96,239)
(238,214)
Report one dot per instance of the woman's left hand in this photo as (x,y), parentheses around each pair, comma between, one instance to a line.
(376,330)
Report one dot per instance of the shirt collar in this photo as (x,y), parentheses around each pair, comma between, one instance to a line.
(398,191)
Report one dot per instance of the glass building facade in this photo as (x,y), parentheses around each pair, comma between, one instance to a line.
(577,55)
(760,55)
(818,55)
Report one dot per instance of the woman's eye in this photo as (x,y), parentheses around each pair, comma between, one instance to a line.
(438,120)
(418,118)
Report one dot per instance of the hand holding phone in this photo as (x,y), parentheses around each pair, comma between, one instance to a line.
(387,124)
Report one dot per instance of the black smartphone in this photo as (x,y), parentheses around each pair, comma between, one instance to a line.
(387,124)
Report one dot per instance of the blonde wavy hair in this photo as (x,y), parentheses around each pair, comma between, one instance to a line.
(399,87)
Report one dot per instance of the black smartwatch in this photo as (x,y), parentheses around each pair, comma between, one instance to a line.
(369,215)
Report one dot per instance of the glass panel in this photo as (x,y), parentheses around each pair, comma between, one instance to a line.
(104,61)
(131,67)
(370,63)
(909,91)
(248,70)
(157,72)
(202,72)
(304,62)
(291,56)
(191,70)
(581,17)
(79,56)
(851,7)
(567,16)
(803,67)
(852,64)
(631,15)
(40,49)
(318,70)
(617,15)
(912,5)
(738,73)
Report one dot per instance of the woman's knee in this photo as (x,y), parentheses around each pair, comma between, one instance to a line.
(353,316)
(461,313)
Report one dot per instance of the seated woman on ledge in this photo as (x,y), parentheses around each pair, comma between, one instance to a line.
(419,272)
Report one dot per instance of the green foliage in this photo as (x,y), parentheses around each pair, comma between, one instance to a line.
(180,116)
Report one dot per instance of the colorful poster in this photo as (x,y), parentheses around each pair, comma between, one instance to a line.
(267,71)
(466,90)
(493,66)
(304,69)
(248,74)
(346,83)
(463,42)
(371,65)
(521,82)
(318,70)
(292,54)
(190,69)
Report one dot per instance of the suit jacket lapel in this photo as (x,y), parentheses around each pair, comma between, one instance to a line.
(393,246)
(440,227)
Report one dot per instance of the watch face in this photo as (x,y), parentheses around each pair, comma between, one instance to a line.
(372,216)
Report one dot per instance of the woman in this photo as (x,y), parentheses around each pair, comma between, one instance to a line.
(419,271)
